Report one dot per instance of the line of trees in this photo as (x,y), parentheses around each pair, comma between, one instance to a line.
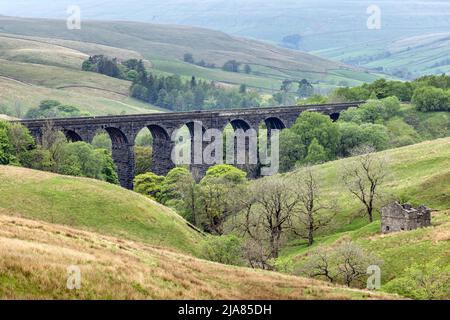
(55,154)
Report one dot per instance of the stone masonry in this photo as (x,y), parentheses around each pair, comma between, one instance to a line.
(124,129)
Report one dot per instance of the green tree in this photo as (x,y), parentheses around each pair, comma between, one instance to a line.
(231,66)
(431,99)
(189,58)
(312,125)
(180,191)
(149,184)
(223,249)
(143,159)
(305,89)
(217,196)
(316,153)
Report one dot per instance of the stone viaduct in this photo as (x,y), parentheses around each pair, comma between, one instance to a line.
(124,129)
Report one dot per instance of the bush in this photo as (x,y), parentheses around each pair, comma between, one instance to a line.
(224,249)
(149,184)
(423,281)
(431,99)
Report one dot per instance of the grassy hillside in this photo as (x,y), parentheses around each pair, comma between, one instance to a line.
(34,258)
(32,70)
(418,174)
(93,205)
(420,55)
(168,44)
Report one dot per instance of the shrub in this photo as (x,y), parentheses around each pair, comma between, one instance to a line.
(223,249)
(431,99)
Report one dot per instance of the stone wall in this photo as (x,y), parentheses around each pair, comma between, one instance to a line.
(397,217)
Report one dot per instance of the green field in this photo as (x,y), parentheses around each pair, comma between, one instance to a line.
(164,46)
(95,206)
(126,246)
(418,174)
(32,70)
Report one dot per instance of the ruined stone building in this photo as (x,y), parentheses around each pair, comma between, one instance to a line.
(398,217)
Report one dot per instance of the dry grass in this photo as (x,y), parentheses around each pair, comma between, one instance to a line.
(34,257)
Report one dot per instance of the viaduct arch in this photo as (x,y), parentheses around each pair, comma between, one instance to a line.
(124,129)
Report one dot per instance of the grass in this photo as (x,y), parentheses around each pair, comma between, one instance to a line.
(418,174)
(95,206)
(165,46)
(35,69)
(34,257)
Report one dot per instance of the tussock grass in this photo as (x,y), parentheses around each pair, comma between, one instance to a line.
(34,257)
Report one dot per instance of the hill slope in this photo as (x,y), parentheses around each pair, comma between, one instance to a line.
(164,44)
(32,70)
(418,174)
(93,205)
(34,258)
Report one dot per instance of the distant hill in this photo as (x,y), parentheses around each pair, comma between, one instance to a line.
(35,69)
(408,57)
(336,27)
(165,46)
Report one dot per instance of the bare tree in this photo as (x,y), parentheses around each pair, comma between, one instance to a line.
(314,212)
(346,264)
(364,176)
(270,215)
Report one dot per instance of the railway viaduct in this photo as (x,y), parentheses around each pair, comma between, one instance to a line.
(123,130)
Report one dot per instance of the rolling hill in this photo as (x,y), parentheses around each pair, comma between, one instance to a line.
(335,29)
(165,46)
(126,246)
(34,257)
(417,174)
(95,206)
(32,70)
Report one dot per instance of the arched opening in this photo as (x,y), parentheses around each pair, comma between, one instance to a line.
(153,147)
(274,123)
(268,145)
(143,151)
(335,116)
(191,145)
(72,136)
(241,146)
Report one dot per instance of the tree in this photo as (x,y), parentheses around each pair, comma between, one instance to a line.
(180,191)
(427,281)
(149,184)
(431,99)
(270,212)
(189,58)
(346,264)
(313,125)
(231,66)
(223,249)
(305,89)
(364,176)
(218,189)
(6,149)
(143,159)
(314,211)
(247,69)
(316,153)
